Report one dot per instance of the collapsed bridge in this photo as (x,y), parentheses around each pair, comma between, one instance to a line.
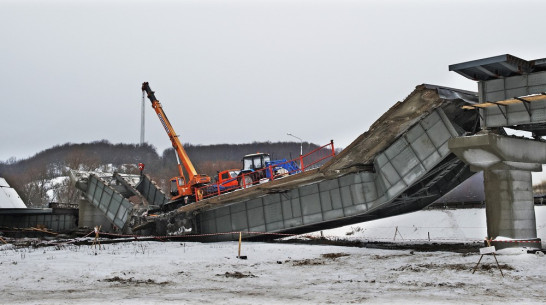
(419,150)
(401,164)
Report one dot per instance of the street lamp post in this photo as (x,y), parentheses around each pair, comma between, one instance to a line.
(301,149)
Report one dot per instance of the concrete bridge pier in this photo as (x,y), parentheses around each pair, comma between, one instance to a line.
(507,164)
(509,207)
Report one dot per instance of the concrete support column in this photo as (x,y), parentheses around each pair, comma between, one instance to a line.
(507,164)
(509,205)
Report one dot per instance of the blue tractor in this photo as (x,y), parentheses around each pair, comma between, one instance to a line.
(258,168)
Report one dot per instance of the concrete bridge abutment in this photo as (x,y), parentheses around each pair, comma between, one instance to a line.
(507,164)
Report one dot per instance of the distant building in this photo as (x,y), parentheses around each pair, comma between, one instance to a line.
(9,199)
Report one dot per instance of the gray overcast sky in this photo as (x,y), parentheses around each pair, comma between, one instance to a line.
(236,71)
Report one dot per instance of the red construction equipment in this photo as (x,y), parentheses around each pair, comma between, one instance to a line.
(181,188)
(258,168)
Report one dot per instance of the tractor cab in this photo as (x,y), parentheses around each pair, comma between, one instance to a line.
(258,168)
(256,161)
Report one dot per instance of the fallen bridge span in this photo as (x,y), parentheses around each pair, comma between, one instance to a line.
(401,164)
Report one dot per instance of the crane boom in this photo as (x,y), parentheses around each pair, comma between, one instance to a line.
(185,187)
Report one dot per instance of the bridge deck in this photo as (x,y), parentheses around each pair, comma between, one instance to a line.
(400,164)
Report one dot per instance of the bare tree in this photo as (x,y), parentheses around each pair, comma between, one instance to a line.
(33,185)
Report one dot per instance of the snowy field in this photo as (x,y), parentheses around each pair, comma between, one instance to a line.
(274,273)
(463,225)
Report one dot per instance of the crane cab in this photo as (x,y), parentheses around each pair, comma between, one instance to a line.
(176,184)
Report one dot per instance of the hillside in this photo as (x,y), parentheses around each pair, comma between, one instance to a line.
(34,178)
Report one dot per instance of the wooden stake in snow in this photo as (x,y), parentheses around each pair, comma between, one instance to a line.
(239,252)
(96,240)
(397,232)
(488,250)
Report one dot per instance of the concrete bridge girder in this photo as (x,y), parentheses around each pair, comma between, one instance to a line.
(115,207)
(347,199)
(107,199)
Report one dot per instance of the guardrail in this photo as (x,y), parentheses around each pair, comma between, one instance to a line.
(274,171)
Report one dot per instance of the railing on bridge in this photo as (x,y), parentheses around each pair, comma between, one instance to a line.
(275,170)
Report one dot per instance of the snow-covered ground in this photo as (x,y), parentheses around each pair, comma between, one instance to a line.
(274,273)
(462,225)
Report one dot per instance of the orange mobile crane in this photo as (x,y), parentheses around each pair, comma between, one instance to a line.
(181,189)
